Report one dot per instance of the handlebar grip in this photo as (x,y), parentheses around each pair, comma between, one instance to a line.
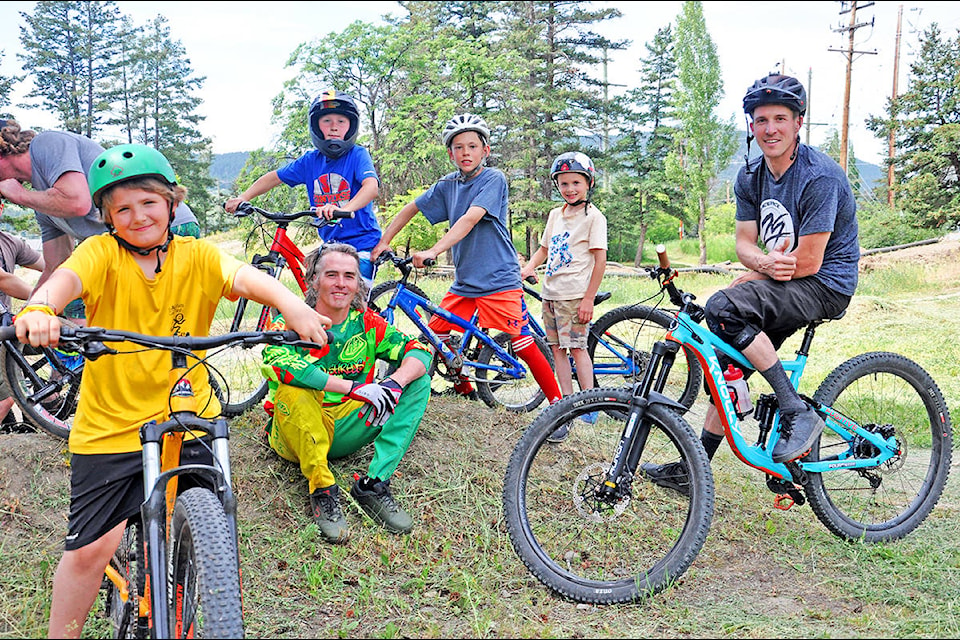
(8,333)
(662,256)
(429,262)
(531,279)
(341,214)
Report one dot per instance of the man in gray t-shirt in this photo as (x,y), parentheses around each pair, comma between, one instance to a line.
(798,203)
(55,163)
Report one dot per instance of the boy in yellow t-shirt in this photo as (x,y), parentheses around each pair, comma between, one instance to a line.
(574,247)
(139,277)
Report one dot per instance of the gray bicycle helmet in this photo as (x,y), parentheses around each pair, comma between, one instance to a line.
(776,89)
(332,101)
(465,122)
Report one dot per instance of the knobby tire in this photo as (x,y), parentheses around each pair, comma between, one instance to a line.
(601,551)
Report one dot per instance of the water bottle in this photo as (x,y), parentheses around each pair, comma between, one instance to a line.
(739,391)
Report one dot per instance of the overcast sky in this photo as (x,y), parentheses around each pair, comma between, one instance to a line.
(242,47)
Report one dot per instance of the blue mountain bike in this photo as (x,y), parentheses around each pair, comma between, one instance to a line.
(586,522)
(488,360)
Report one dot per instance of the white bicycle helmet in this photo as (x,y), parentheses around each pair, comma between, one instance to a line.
(465,122)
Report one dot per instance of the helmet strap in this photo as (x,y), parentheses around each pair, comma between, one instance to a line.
(160,248)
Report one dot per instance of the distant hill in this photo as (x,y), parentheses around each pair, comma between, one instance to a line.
(227,166)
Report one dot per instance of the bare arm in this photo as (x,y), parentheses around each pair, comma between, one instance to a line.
(54,253)
(253,284)
(369,190)
(261,185)
(585,312)
(41,328)
(455,234)
(535,261)
(396,225)
(804,261)
(68,197)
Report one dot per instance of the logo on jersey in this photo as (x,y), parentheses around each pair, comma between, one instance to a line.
(330,188)
(776,225)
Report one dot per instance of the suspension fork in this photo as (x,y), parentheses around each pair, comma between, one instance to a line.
(648,390)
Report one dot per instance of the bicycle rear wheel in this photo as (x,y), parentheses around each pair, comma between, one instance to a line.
(45,384)
(240,383)
(123,609)
(204,589)
(892,395)
(619,345)
(498,389)
(596,549)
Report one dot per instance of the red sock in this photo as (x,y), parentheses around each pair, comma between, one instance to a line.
(527,350)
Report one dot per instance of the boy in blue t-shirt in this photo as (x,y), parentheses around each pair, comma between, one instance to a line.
(339,174)
(473,201)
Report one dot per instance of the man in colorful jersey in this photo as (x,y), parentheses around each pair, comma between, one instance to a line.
(325,404)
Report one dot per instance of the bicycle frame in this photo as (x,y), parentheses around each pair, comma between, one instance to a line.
(690,334)
(408,302)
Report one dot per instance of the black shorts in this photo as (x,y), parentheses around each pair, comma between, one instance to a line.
(107,489)
(780,309)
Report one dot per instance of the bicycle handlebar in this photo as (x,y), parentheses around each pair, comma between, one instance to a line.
(245,209)
(400,263)
(85,339)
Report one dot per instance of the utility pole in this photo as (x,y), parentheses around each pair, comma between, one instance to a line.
(849,51)
(893,101)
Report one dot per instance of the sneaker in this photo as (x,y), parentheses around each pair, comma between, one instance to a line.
(560,433)
(328,515)
(589,418)
(798,432)
(672,475)
(378,503)
(451,392)
(9,424)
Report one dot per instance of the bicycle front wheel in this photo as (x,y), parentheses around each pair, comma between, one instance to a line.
(890,394)
(581,542)
(498,389)
(620,342)
(45,384)
(204,590)
(235,372)
(123,604)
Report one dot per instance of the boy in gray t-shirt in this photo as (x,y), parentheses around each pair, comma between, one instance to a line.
(473,200)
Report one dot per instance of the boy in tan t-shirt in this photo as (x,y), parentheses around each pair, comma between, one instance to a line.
(574,247)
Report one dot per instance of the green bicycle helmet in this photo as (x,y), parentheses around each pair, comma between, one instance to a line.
(124,162)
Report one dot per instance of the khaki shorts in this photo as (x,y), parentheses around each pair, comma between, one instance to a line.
(561,325)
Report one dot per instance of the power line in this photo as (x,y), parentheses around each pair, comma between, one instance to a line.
(849,52)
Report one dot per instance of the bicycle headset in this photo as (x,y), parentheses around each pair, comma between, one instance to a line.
(328,102)
(126,162)
(575,162)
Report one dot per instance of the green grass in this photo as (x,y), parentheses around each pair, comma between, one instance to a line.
(763,572)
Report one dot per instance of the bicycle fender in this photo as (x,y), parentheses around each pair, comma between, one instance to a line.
(654,397)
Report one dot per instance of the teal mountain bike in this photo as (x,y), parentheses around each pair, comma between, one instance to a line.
(586,523)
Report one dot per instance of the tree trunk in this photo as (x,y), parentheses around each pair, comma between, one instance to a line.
(638,259)
(701,230)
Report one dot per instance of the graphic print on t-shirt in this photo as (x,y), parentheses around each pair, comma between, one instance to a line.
(776,224)
(330,188)
(559,253)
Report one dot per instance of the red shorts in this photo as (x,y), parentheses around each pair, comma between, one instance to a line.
(501,311)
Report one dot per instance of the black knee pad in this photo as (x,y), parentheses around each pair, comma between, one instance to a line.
(725,321)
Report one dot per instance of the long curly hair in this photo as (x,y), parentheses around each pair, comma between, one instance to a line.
(312,266)
(13,140)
